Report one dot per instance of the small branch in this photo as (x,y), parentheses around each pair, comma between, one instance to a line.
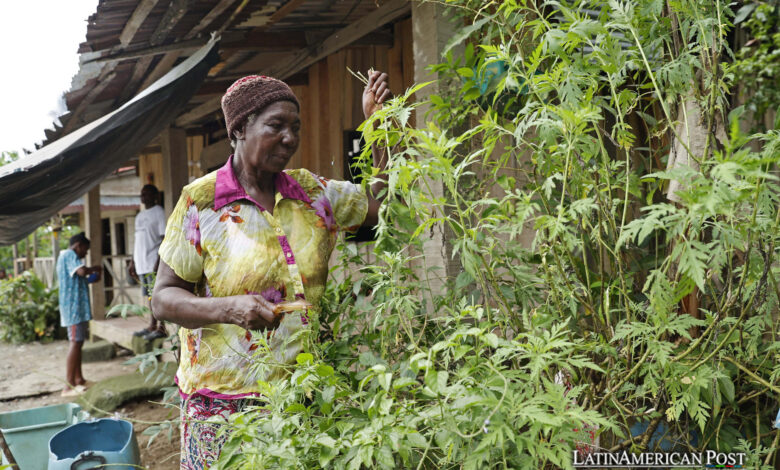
(752,375)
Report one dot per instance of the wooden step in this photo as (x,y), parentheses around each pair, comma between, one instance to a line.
(118,330)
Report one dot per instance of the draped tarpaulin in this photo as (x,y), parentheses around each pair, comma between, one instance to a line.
(37,186)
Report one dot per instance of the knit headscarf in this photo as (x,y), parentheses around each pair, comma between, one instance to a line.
(251,94)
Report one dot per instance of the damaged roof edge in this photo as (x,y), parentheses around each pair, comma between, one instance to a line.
(42,183)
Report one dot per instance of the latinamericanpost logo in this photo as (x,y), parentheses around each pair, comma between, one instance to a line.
(624,459)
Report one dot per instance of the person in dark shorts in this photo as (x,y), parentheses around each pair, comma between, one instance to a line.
(149,233)
(75,313)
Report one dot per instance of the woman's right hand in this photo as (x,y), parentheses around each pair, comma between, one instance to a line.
(253,312)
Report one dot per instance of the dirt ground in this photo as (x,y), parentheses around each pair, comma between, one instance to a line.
(30,377)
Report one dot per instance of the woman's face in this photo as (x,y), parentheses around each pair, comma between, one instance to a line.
(268,142)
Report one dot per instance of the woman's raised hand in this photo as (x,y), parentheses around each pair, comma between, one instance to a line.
(375,93)
(252,312)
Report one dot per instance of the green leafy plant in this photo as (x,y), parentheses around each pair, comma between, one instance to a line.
(29,310)
(603,234)
(758,61)
(149,363)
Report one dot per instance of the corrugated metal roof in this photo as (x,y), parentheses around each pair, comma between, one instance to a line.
(107,203)
(101,87)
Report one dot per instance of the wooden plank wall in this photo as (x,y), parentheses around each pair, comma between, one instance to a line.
(194,147)
(331,101)
(150,169)
(330,104)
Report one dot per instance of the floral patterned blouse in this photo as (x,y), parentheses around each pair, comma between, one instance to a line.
(224,242)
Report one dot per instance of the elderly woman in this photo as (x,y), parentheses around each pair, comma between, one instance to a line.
(242,239)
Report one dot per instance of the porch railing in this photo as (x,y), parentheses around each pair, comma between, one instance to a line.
(45,269)
(120,286)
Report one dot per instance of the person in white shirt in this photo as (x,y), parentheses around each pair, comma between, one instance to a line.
(149,233)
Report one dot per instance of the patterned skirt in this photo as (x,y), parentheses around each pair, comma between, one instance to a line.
(202,441)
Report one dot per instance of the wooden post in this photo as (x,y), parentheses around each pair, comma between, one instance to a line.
(55,251)
(15,255)
(430,34)
(114,237)
(28,253)
(94,229)
(175,170)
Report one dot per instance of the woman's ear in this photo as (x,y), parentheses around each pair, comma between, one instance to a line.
(238,134)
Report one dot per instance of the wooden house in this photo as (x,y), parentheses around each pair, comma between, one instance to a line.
(131,45)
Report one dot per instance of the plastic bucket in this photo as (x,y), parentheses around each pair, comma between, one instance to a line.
(102,443)
(663,438)
(27,432)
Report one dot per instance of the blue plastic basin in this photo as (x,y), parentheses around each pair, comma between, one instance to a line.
(27,432)
(94,443)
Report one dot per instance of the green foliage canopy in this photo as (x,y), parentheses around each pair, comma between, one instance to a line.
(584,302)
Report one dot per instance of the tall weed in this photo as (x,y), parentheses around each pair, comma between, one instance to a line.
(583,303)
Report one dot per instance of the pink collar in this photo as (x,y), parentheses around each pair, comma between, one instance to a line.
(228,189)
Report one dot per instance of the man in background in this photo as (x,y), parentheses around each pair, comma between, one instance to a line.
(75,311)
(149,233)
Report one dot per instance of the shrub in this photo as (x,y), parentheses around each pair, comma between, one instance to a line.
(29,310)
(583,301)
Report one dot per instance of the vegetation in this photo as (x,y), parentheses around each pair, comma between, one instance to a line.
(43,233)
(29,309)
(609,196)
(758,62)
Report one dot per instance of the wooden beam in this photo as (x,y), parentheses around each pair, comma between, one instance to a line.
(191,45)
(175,50)
(175,12)
(210,106)
(260,39)
(344,37)
(219,87)
(139,50)
(169,59)
(283,11)
(136,20)
(234,57)
(215,155)
(256,41)
(102,83)
(308,56)
(94,229)
(106,75)
(174,160)
(163,66)
(139,70)
(218,9)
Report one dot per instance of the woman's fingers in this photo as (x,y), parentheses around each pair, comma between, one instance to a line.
(381,92)
(372,76)
(379,87)
(256,313)
(375,80)
(375,93)
(380,80)
(266,310)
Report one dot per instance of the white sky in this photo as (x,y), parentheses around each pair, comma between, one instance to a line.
(38,44)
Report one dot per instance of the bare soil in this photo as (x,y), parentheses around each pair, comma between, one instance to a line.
(30,377)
